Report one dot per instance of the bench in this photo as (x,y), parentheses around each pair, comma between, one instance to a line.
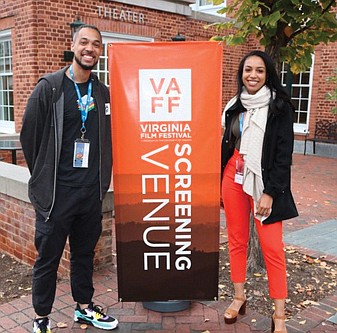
(325,131)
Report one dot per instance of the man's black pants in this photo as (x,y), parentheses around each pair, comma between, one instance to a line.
(77,213)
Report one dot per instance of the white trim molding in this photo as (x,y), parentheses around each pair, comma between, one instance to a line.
(180,7)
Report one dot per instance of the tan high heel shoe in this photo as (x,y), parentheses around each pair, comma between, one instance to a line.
(233,313)
(273,323)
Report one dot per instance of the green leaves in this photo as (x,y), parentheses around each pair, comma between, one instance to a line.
(291,28)
(274,18)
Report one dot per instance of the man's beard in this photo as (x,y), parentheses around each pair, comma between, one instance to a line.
(85,67)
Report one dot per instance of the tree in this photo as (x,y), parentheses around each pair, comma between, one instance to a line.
(288,29)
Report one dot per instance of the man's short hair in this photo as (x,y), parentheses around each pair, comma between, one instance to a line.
(89,26)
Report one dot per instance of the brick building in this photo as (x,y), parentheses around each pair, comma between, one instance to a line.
(34,35)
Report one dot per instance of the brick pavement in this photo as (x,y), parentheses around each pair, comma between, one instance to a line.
(314,188)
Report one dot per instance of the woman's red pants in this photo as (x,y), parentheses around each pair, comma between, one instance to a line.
(238,205)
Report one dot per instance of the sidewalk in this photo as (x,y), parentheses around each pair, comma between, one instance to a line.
(315,191)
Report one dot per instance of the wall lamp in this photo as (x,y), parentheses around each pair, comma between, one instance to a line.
(178,38)
(68,55)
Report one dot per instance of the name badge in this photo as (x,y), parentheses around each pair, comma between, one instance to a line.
(107,109)
(81,153)
(240,164)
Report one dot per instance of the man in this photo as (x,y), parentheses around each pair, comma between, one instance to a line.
(66,140)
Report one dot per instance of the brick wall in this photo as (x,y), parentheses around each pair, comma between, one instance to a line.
(17,221)
(41,32)
(325,63)
(6,156)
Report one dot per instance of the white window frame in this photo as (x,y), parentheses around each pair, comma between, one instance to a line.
(300,128)
(6,126)
(101,70)
(208,9)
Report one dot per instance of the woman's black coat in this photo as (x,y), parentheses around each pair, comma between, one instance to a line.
(276,159)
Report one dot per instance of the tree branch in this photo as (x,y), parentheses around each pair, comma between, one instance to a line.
(307,27)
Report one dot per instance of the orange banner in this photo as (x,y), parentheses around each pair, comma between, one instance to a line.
(166,110)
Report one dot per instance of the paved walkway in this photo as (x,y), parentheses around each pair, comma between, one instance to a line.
(321,238)
(314,232)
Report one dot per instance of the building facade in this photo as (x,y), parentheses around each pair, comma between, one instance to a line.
(35,36)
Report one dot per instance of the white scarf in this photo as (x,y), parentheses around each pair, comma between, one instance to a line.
(254,126)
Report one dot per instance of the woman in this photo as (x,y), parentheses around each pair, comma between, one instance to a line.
(256,159)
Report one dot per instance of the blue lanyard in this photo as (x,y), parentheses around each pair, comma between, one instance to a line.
(84,108)
(241,122)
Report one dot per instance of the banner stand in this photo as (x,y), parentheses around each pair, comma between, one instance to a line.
(167,306)
(164,159)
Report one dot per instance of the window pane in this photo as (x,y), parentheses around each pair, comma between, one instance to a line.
(303,118)
(305,78)
(8,64)
(205,2)
(7,49)
(295,103)
(296,79)
(5,98)
(305,92)
(304,104)
(101,76)
(295,92)
(10,98)
(6,81)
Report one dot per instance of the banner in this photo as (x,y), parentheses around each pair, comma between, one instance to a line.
(166,110)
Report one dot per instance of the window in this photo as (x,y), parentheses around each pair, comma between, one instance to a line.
(205,2)
(300,96)
(101,69)
(202,3)
(7,124)
(207,7)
